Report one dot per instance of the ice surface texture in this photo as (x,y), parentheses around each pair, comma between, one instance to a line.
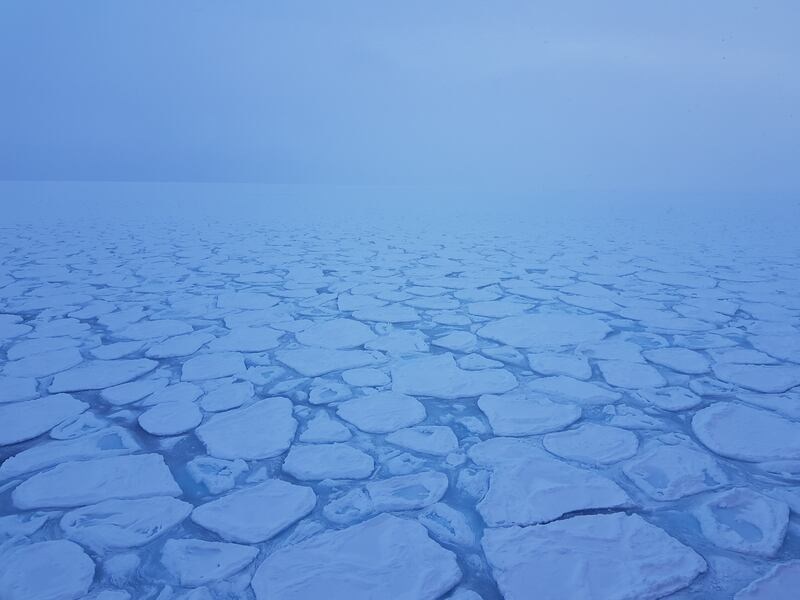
(250,410)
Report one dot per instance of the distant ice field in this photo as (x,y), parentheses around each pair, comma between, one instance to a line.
(576,405)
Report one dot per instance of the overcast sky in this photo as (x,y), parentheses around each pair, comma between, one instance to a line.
(631,96)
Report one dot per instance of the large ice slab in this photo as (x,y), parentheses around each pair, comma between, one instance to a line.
(744,521)
(592,444)
(227,396)
(336,333)
(44,364)
(613,557)
(385,557)
(518,413)
(212,366)
(437,440)
(567,389)
(745,433)
(382,412)
(197,562)
(630,375)
(542,331)
(674,399)
(262,430)
(553,363)
(246,300)
(20,421)
(99,374)
(672,471)
(393,313)
(89,481)
(403,492)
(327,461)
(216,474)
(255,514)
(247,339)
(159,328)
(439,377)
(448,525)
(114,525)
(109,441)
(769,379)
(171,418)
(313,362)
(682,360)
(51,570)
(322,428)
(180,345)
(529,486)
(780,583)
(784,347)
(14,389)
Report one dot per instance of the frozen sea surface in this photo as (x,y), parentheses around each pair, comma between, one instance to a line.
(243,406)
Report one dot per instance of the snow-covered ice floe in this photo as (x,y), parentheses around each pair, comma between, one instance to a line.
(270,411)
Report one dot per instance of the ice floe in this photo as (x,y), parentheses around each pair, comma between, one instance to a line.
(630,375)
(365,377)
(745,433)
(263,429)
(427,439)
(439,377)
(114,525)
(385,557)
(46,363)
(528,486)
(212,366)
(227,396)
(77,483)
(14,389)
(255,514)
(542,331)
(336,333)
(327,461)
(50,570)
(681,360)
(674,399)
(216,474)
(769,379)
(99,374)
(744,521)
(669,471)
(20,421)
(613,557)
(780,583)
(382,412)
(196,562)
(518,413)
(402,492)
(313,362)
(171,418)
(180,345)
(109,441)
(551,363)
(566,389)
(447,525)
(592,444)
(322,428)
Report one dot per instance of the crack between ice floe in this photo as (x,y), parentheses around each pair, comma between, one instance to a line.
(588,512)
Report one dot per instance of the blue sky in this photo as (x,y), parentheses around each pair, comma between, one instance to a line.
(561,96)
